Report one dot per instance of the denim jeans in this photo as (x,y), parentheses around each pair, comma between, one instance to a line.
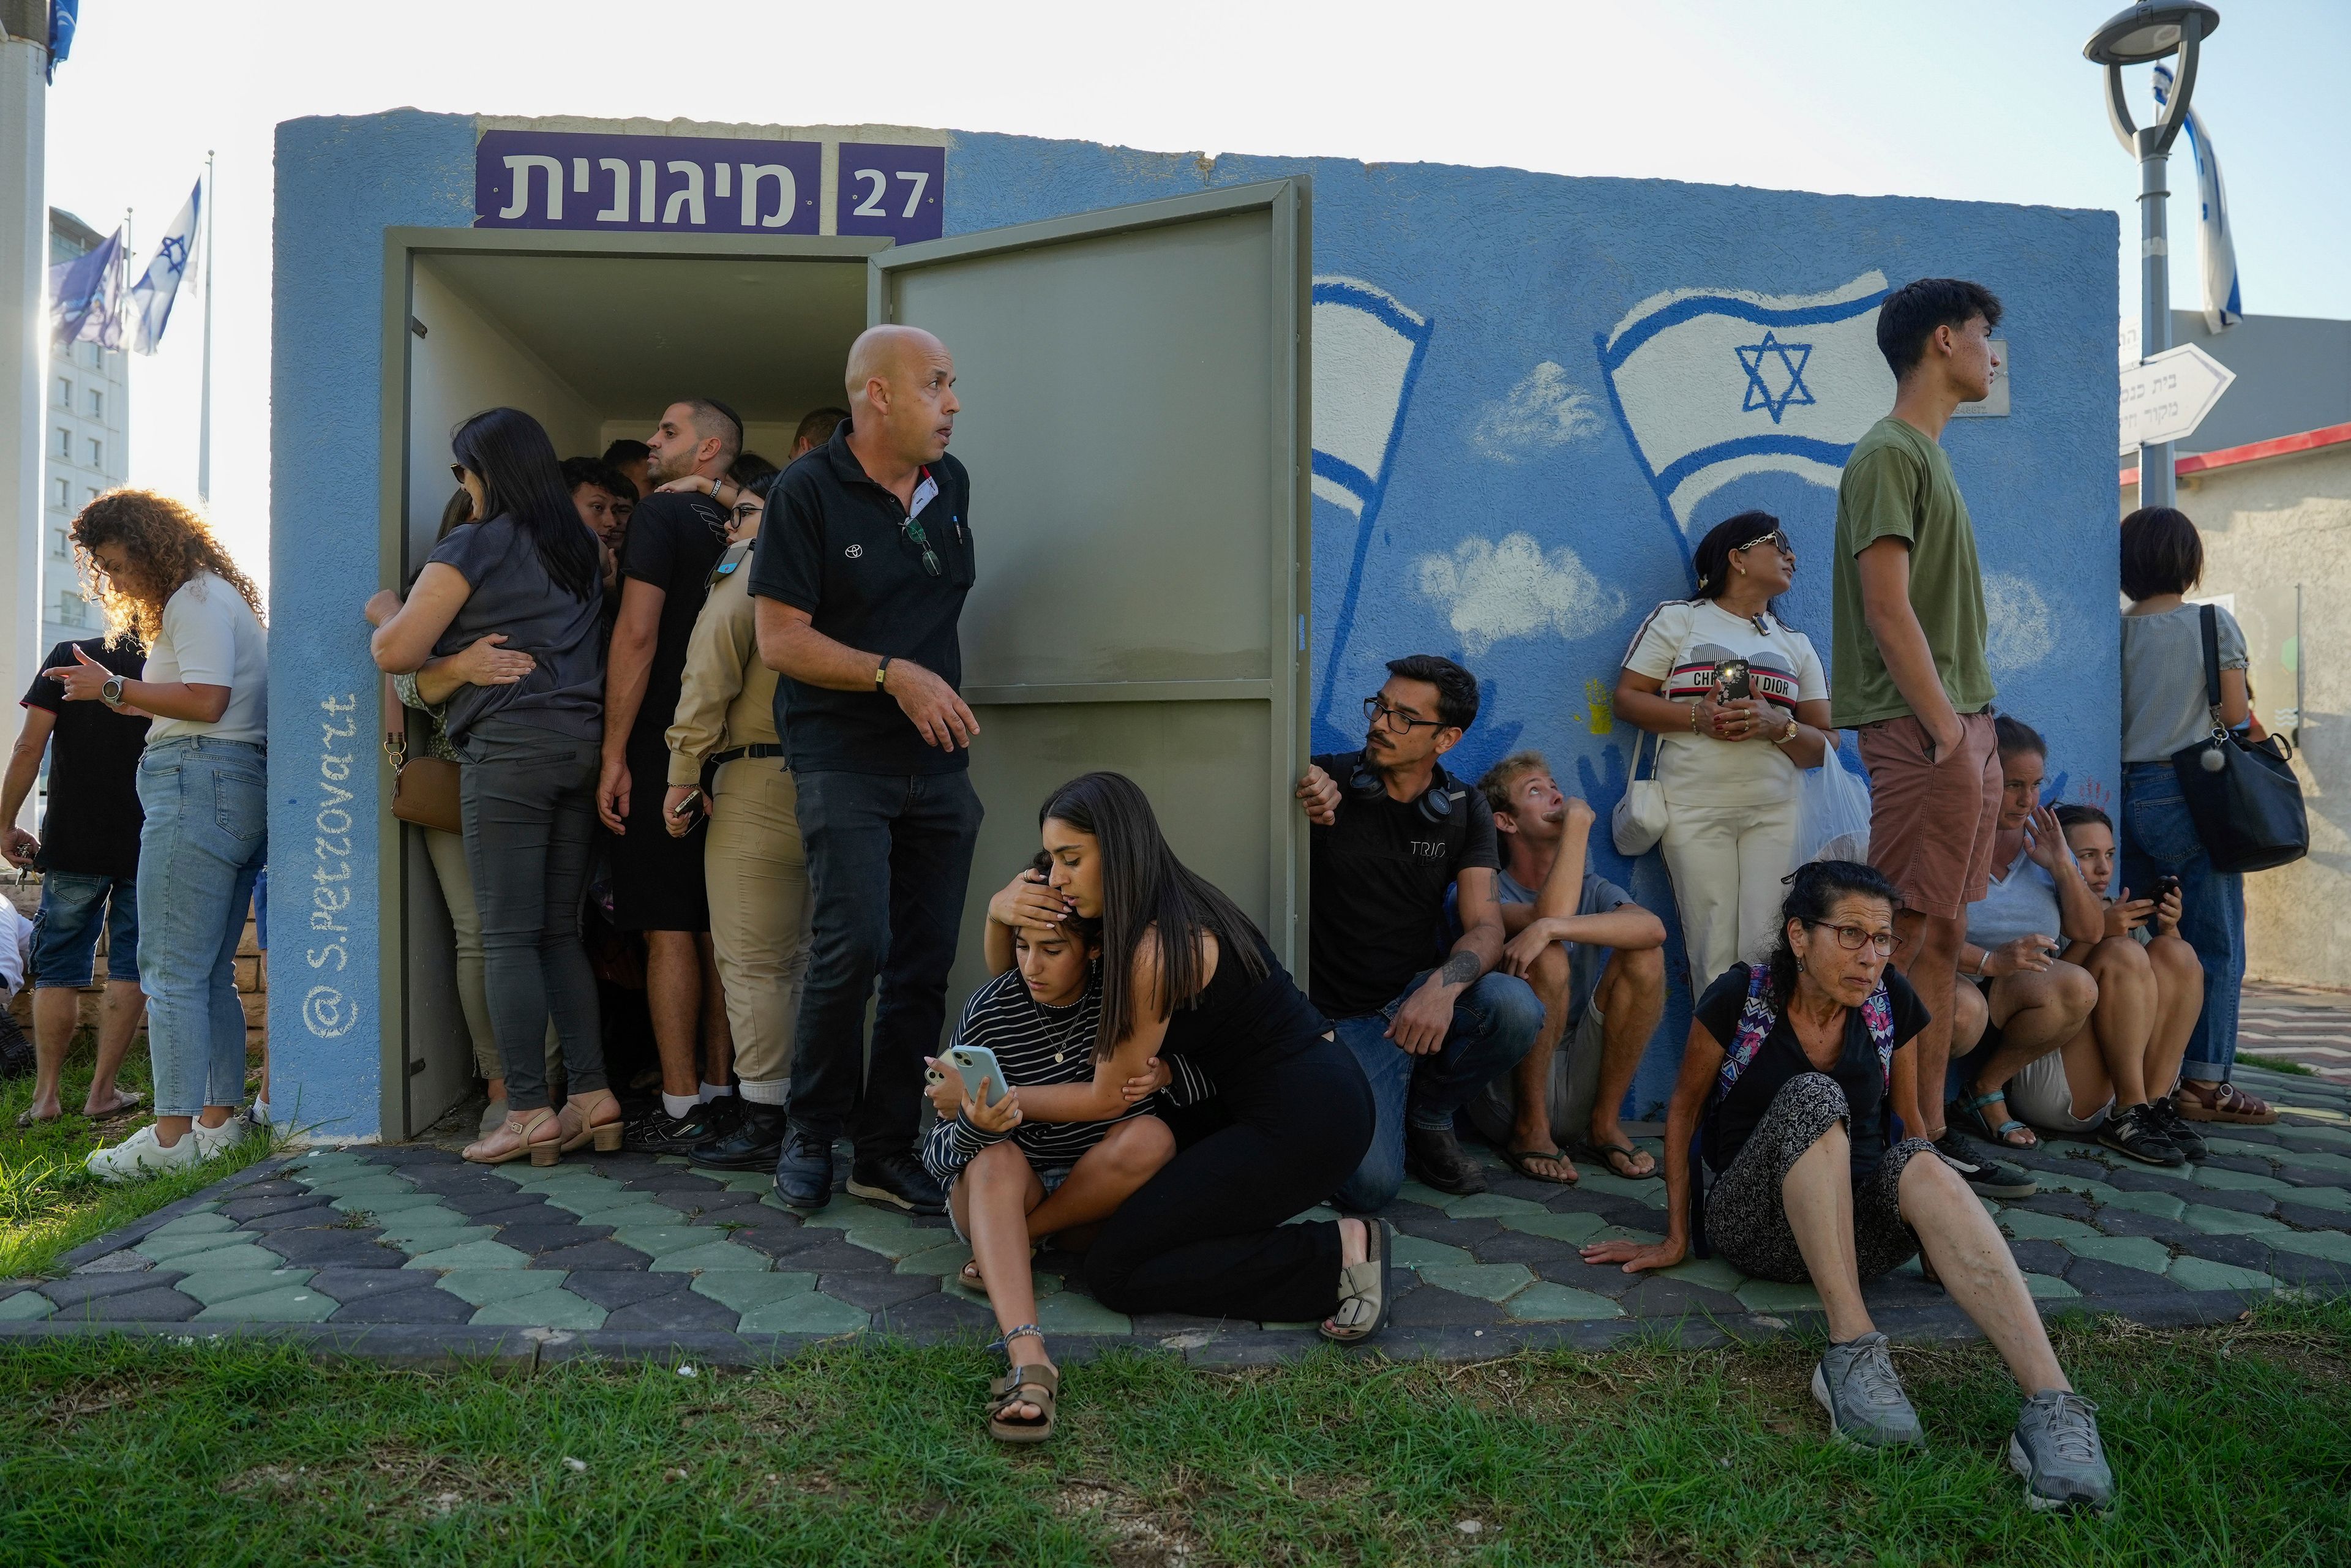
(1495,1023)
(527,801)
(205,838)
(74,907)
(2159,836)
(888,858)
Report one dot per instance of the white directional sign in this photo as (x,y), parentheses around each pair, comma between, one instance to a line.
(2166,397)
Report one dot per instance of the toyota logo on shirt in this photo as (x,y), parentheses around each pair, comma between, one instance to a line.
(853,551)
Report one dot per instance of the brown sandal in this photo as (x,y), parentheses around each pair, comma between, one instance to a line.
(1038,1386)
(2222,1103)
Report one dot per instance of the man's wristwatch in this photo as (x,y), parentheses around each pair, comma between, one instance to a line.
(110,694)
(881,673)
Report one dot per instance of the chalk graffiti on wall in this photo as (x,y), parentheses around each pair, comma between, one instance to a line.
(326,1011)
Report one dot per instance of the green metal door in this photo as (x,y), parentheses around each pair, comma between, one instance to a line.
(1134,418)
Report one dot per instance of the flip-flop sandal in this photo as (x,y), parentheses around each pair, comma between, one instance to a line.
(127,1101)
(1971,1110)
(1609,1153)
(1364,1292)
(26,1119)
(1519,1159)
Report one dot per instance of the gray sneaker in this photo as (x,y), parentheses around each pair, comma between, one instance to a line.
(1854,1382)
(2056,1448)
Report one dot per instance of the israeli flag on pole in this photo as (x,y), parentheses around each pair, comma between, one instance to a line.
(176,256)
(2224,308)
(85,296)
(1716,384)
(64,16)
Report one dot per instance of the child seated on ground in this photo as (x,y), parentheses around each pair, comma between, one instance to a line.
(1011,1182)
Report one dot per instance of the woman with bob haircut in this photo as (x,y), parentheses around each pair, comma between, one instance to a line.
(1186,977)
(527,791)
(203,785)
(2163,712)
(1787,1089)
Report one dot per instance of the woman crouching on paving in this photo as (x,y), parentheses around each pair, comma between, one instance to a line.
(1010,1180)
(1790,1077)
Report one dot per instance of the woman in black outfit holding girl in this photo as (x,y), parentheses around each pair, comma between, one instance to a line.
(1186,973)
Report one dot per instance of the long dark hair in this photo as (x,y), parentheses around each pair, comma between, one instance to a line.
(1813,893)
(521,479)
(1146,890)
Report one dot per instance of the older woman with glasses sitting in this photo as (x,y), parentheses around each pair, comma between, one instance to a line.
(1788,1085)
(1739,702)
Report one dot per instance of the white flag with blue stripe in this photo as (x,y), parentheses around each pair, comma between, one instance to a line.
(2223,307)
(174,257)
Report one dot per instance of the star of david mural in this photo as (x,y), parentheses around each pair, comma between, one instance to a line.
(1770,360)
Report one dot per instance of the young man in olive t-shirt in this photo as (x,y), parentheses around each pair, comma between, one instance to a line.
(1910,672)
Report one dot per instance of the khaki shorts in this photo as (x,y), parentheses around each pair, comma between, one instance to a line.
(1932,820)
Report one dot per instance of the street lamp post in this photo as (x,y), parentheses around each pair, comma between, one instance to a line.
(2145,33)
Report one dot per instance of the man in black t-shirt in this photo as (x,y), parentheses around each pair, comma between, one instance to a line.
(88,854)
(674,538)
(1391,831)
(859,579)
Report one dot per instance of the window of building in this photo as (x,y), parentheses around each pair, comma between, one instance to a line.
(97,453)
(90,494)
(64,443)
(70,608)
(91,355)
(64,392)
(62,491)
(60,545)
(97,404)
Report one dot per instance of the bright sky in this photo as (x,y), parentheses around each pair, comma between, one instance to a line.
(1988,100)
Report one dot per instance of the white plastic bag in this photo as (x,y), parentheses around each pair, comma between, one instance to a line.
(1831,813)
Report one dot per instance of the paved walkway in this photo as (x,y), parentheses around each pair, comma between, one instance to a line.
(406,1252)
(2300,1024)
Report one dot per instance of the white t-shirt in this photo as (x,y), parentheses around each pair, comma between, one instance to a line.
(1679,644)
(212,638)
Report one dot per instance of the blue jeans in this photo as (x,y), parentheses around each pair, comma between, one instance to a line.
(889,856)
(1495,1023)
(74,906)
(206,836)
(2159,836)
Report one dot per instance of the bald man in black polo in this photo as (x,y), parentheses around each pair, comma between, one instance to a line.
(859,576)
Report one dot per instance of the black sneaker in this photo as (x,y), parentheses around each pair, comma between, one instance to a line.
(1987,1176)
(1433,1157)
(2131,1131)
(897,1178)
(659,1133)
(17,1058)
(2178,1128)
(722,1115)
(804,1169)
(752,1144)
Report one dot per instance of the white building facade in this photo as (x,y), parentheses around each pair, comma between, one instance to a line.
(85,447)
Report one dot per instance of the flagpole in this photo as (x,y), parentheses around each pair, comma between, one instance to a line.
(204,417)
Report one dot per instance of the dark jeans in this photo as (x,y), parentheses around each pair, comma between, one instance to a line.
(2159,836)
(527,801)
(1495,1023)
(888,859)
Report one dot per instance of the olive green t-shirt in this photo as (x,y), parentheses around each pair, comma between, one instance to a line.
(1898,483)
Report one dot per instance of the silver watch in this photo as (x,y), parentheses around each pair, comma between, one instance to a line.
(110,694)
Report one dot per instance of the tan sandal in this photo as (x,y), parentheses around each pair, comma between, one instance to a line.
(1364,1291)
(605,1136)
(542,1151)
(1038,1386)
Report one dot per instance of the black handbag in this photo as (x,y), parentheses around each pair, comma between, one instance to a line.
(2242,794)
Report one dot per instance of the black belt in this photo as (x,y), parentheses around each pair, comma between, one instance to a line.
(723,757)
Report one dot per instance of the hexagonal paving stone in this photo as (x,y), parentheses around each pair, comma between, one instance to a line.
(386,1206)
(597,1255)
(228,1251)
(228,1284)
(287,1305)
(1068,1313)
(1651,1192)
(471,1255)
(1771,1296)
(1555,1227)
(655,1240)
(743,1293)
(680,1312)
(25,1307)
(2329,1198)
(714,1255)
(480,1287)
(2227,1221)
(1487,1281)
(2329,1244)
(2314,1160)
(2049,1288)
(1431,1306)
(1544,1303)
(1418,1251)
(1712,1273)
(2130,1251)
(940,1261)
(2223,1180)
(432,1226)
(1490,1206)
(162,1248)
(2162,1205)
(809,1313)
(2203,1274)
(545,1310)
(2030,1225)
(2083,1187)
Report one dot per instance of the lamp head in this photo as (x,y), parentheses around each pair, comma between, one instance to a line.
(2149,31)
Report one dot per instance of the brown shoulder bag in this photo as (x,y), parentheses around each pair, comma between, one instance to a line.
(424,789)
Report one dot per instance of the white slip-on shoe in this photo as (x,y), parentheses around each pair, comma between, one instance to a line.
(213,1142)
(140,1155)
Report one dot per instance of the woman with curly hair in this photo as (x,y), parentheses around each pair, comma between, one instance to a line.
(161,576)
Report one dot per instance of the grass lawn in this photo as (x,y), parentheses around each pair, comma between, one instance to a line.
(2232,1446)
(48,1203)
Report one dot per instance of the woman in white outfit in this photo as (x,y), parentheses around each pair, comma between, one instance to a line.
(1728,764)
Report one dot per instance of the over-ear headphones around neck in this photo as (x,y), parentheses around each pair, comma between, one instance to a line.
(1436,803)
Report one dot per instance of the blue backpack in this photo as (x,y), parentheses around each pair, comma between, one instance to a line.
(1756,1021)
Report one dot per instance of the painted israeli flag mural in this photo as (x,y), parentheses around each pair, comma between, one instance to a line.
(1712,385)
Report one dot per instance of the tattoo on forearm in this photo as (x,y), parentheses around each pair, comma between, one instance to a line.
(1460,969)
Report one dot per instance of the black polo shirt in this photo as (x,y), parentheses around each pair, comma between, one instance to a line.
(675,539)
(834,544)
(1378,875)
(91,828)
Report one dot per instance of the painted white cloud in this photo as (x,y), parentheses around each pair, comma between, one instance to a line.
(1514,588)
(1544,409)
(2021,634)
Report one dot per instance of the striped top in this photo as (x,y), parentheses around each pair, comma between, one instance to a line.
(1036,1045)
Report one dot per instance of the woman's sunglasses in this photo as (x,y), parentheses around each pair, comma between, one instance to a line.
(1776,538)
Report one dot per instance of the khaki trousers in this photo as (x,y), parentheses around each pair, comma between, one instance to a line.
(447,852)
(757,871)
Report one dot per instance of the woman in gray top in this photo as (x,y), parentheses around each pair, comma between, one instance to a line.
(528,790)
(2164,711)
